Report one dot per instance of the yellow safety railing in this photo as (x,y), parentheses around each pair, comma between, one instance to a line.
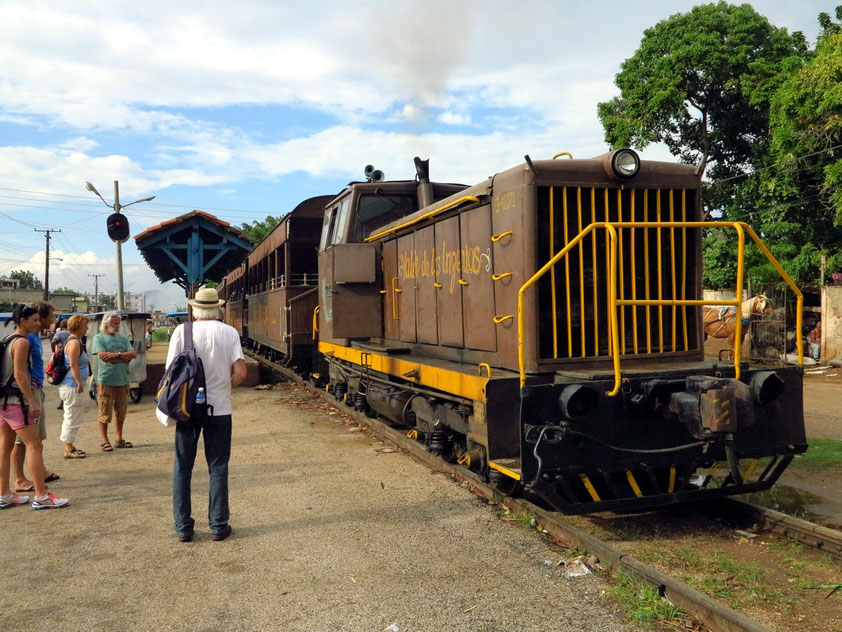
(613,245)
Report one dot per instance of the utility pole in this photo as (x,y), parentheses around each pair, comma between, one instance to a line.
(47,260)
(96,286)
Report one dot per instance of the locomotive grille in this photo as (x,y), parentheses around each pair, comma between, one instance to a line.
(653,263)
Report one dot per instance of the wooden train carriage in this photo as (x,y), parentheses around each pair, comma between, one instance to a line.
(232,290)
(280,283)
(544,326)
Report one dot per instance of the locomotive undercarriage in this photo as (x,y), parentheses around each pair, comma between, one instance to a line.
(665,439)
(438,420)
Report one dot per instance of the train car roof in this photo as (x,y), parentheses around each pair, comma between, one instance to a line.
(311,208)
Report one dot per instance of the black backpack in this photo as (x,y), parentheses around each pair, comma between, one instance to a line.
(7,371)
(181,382)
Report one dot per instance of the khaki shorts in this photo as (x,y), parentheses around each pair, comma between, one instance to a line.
(112,399)
(42,420)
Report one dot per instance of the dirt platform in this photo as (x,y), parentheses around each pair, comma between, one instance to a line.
(332,531)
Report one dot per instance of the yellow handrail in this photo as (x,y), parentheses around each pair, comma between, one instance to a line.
(316,321)
(612,300)
(741,228)
(427,215)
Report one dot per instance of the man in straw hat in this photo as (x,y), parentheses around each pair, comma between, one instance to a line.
(218,346)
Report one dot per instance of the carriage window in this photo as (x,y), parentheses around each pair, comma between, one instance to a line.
(327,228)
(341,221)
(379,209)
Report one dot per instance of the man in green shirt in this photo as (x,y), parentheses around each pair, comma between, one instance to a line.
(114,352)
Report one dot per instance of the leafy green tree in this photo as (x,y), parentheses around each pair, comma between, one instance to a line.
(258,229)
(28,281)
(806,145)
(700,83)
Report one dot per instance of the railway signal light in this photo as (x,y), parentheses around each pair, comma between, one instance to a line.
(118,227)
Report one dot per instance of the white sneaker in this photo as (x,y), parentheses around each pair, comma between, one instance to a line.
(12,500)
(50,501)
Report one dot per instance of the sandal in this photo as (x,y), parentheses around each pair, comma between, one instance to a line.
(51,477)
(122,443)
(75,453)
(107,447)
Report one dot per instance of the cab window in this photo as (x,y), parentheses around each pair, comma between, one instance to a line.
(341,221)
(327,228)
(376,210)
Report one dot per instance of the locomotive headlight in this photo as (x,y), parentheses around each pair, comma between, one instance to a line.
(625,163)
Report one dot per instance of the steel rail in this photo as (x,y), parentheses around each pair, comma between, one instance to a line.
(813,535)
(713,614)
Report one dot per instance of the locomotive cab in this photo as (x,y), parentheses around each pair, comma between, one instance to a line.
(350,298)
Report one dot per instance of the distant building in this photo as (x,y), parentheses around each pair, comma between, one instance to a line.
(9,284)
(134,301)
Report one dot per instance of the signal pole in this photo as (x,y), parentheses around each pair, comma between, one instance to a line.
(96,286)
(47,260)
(121,300)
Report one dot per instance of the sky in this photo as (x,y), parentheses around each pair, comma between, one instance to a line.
(244,109)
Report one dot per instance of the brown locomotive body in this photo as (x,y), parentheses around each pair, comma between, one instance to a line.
(544,328)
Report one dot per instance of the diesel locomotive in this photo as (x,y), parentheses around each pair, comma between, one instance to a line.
(542,328)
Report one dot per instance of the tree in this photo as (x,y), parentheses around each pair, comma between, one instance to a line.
(806,146)
(28,281)
(108,301)
(700,83)
(257,230)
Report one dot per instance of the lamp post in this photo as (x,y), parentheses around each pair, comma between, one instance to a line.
(121,301)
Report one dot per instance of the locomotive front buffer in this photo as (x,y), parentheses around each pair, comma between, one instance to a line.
(663,439)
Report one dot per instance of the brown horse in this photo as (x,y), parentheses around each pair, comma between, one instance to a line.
(721,322)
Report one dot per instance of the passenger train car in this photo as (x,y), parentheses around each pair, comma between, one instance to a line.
(542,328)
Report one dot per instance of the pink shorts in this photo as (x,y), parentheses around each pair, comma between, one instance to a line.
(13,417)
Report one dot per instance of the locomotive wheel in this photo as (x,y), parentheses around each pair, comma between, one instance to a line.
(506,485)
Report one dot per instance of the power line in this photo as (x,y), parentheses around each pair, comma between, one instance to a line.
(187,206)
(777,164)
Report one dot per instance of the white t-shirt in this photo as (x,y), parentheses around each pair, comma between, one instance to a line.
(218,345)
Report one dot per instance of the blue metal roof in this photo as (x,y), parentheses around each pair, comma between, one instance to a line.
(192,248)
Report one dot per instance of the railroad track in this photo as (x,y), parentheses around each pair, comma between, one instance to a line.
(808,533)
(703,608)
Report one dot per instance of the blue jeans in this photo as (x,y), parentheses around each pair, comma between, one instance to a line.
(217,431)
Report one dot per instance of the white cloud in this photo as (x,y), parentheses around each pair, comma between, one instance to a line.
(454,118)
(74,270)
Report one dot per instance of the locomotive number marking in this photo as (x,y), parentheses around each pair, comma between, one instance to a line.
(504,202)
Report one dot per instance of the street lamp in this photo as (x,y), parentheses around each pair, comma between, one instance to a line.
(123,225)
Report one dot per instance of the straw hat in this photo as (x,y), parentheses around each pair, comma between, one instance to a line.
(206,297)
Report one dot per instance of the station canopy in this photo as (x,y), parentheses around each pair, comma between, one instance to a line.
(192,248)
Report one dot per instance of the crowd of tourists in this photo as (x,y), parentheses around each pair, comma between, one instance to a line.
(22,418)
(22,427)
